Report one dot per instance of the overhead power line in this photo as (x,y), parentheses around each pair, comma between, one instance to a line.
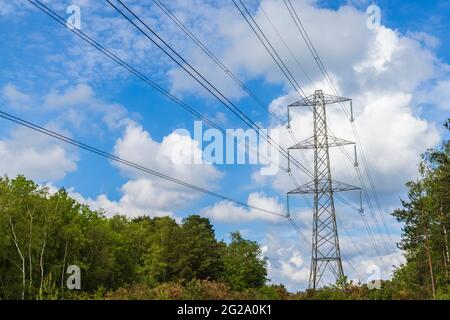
(132,70)
(286,45)
(269,47)
(215,59)
(89,40)
(198,77)
(277,59)
(224,68)
(227,71)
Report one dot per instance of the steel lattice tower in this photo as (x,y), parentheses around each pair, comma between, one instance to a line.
(326,256)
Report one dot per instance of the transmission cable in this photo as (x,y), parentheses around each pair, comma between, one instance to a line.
(215,59)
(139,74)
(186,66)
(122,161)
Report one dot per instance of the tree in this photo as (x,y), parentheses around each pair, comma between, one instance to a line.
(162,258)
(245,267)
(202,253)
(182,253)
(41,234)
(425,216)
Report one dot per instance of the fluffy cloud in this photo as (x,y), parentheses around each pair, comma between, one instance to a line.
(289,259)
(76,96)
(34,156)
(226,211)
(393,155)
(78,105)
(141,197)
(167,157)
(149,195)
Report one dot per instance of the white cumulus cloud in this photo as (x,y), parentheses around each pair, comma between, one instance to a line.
(149,195)
(227,211)
(36,157)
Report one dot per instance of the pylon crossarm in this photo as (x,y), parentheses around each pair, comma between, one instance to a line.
(337,186)
(312,102)
(338,142)
(341,186)
(310,144)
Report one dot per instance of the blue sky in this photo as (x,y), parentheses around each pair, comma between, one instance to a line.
(397,74)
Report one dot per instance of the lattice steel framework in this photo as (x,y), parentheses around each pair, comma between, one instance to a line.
(326,256)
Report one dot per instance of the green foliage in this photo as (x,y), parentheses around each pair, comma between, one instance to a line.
(202,254)
(244,265)
(425,216)
(273,292)
(41,234)
(198,290)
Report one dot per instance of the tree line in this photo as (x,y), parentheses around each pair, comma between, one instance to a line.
(42,234)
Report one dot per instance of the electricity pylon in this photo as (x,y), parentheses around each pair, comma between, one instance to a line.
(326,256)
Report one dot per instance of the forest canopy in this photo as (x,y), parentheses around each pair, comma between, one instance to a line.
(42,234)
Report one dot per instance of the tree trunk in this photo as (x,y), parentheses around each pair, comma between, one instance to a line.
(445,263)
(64,265)
(23,269)
(430,263)
(30,263)
(444,229)
(41,258)
(41,263)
